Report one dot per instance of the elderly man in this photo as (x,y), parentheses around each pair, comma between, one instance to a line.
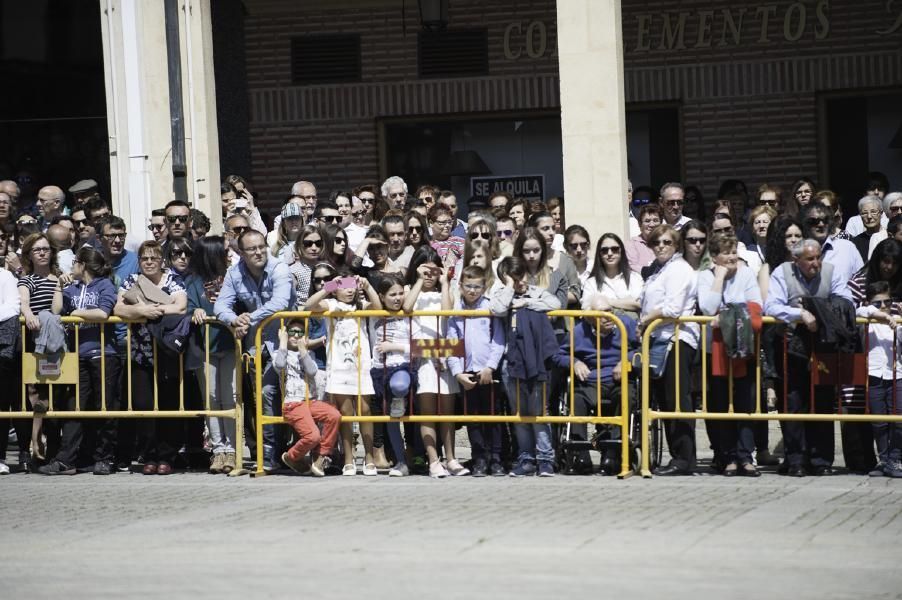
(673,197)
(892,207)
(50,204)
(307,192)
(842,254)
(806,276)
(84,190)
(638,253)
(448,198)
(394,191)
(6,209)
(61,241)
(870,213)
(257,287)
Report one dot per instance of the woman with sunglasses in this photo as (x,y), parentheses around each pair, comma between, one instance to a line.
(577,244)
(207,268)
(770,196)
(694,245)
(308,250)
(178,255)
(417,227)
(335,244)
(670,292)
(612,279)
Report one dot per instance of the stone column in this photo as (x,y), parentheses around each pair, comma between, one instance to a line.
(593,121)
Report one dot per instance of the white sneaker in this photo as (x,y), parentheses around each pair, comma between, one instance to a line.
(399,470)
(456,469)
(437,471)
(4,470)
(397,408)
(349,470)
(369,469)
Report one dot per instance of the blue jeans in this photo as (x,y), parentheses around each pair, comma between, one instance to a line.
(272,447)
(533,439)
(888,436)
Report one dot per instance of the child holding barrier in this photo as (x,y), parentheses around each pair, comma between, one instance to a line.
(483,349)
(393,377)
(348,360)
(298,369)
(884,377)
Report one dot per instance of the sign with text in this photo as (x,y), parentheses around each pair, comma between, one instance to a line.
(529,187)
(437,348)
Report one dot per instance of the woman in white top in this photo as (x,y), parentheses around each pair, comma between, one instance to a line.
(611,277)
(670,292)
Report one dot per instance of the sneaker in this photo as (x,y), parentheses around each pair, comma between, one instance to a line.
(25,462)
(546,469)
(877,471)
(298,466)
(369,469)
(893,468)
(399,470)
(523,468)
(456,469)
(123,466)
(349,470)
(496,469)
(55,467)
(4,470)
(228,462)
(103,467)
(480,468)
(216,463)
(316,470)
(397,407)
(437,471)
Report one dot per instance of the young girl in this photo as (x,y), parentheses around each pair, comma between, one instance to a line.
(348,361)
(315,327)
(429,289)
(392,375)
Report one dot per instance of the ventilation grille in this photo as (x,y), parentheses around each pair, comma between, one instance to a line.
(460,53)
(325,59)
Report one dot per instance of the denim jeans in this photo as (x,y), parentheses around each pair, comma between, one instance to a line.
(888,436)
(533,439)
(272,446)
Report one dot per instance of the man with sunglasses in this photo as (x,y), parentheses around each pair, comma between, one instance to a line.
(842,254)
(157,226)
(178,220)
(673,197)
(327,214)
(367,196)
(234,227)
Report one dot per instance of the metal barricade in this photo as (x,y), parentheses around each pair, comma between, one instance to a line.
(37,369)
(820,369)
(622,420)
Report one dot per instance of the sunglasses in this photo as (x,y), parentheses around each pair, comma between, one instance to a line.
(83,222)
(178,218)
(331,218)
(237,231)
(485,235)
(817,221)
(110,237)
(674,203)
(722,230)
(502,233)
(312,243)
(895,209)
(152,227)
(579,246)
(641,201)
(150,258)
(367,200)
(181,254)
(604,250)
(415,229)
(881,303)
(427,199)
(358,213)
(340,241)
(692,241)
(657,243)
(771,203)
(294,331)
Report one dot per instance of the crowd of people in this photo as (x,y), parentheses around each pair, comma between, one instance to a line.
(747,255)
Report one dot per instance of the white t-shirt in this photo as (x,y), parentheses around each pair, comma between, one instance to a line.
(614,288)
(395,330)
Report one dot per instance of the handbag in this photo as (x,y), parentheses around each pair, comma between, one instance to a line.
(658,352)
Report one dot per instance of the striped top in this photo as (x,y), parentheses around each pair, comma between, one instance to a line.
(40,290)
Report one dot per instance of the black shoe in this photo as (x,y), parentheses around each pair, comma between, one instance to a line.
(823,471)
(479,468)
(610,465)
(496,469)
(795,471)
(103,467)
(749,470)
(55,467)
(766,459)
(671,470)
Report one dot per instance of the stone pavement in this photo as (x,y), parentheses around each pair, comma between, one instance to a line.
(198,535)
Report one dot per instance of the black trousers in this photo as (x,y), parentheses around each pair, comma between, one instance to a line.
(680,433)
(99,433)
(11,400)
(733,441)
(485,438)
(585,403)
(158,439)
(801,440)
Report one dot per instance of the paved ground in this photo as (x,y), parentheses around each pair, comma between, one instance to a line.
(194,535)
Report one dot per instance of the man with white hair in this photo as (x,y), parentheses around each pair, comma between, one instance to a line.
(50,204)
(806,276)
(307,191)
(394,190)
(870,211)
(892,207)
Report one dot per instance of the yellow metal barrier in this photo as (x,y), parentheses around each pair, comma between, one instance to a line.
(621,421)
(69,375)
(650,414)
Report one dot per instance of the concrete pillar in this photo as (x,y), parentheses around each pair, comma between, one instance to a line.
(138,118)
(593,120)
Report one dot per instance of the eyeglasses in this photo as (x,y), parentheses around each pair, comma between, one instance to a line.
(473,287)
(503,233)
(358,213)
(178,218)
(692,241)
(40,250)
(318,280)
(398,195)
(579,245)
(443,223)
(722,230)
(294,331)
(311,243)
(485,235)
(662,242)
(155,226)
(150,258)
(881,303)
(110,237)
(331,218)
(415,229)
(817,221)
(870,213)
(604,250)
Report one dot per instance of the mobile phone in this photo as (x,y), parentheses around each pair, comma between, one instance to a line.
(451,272)
(240,203)
(340,284)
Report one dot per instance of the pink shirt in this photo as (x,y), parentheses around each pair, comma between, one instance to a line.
(638,254)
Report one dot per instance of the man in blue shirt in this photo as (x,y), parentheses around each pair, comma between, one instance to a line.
(254,289)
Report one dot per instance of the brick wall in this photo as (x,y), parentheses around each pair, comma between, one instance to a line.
(748,110)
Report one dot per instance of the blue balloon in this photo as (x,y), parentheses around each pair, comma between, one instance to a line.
(399,384)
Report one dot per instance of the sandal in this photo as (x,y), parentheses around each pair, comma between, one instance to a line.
(749,470)
(349,470)
(731,470)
